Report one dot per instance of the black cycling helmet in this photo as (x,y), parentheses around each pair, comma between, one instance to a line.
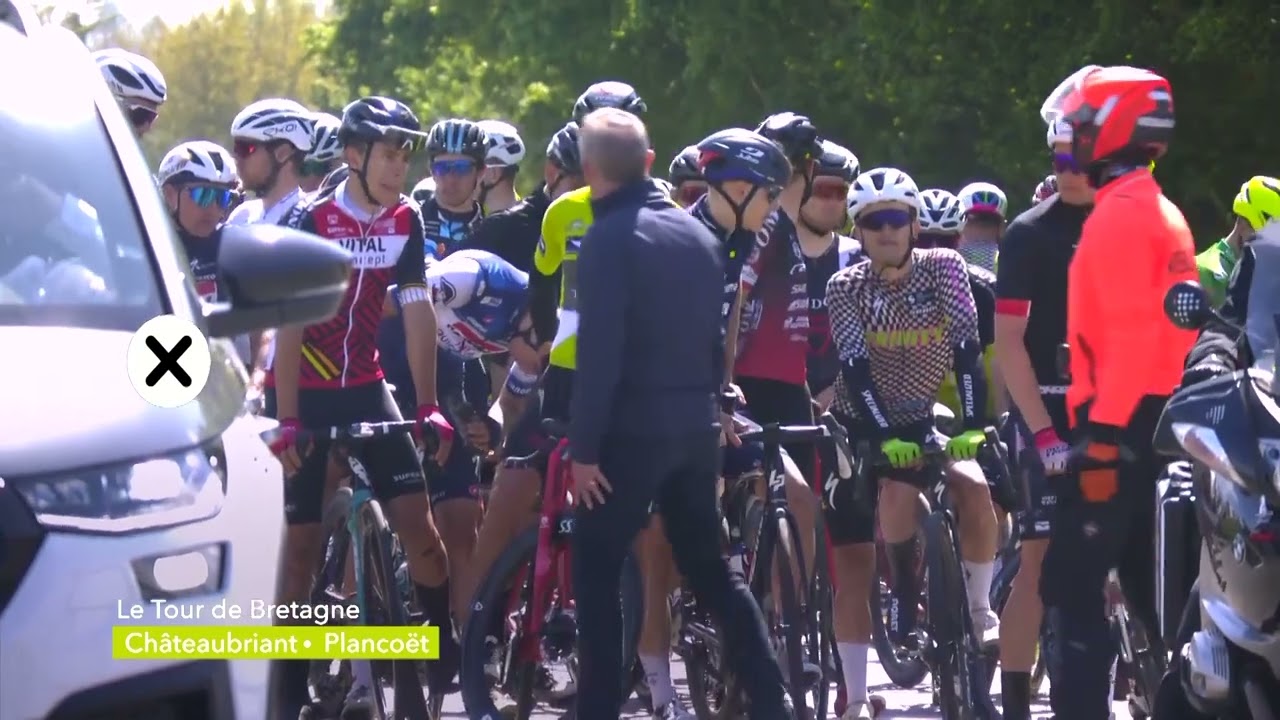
(562,151)
(380,119)
(836,161)
(738,154)
(796,134)
(457,136)
(610,93)
(684,168)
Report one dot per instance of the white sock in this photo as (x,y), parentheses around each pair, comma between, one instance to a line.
(853,661)
(979,584)
(657,672)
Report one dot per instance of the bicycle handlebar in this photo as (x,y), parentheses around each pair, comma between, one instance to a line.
(354,431)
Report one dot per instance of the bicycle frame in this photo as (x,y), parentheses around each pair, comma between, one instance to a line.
(551,564)
(361,494)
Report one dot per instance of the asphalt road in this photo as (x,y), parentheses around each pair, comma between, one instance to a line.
(900,703)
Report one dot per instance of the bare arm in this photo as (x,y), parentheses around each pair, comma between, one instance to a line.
(420,346)
(1016,371)
(288,369)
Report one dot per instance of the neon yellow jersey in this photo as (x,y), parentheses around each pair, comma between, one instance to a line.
(486,211)
(563,228)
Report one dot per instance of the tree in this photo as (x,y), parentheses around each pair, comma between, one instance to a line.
(948,90)
(219,63)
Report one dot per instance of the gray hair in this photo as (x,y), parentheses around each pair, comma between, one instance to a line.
(616,143)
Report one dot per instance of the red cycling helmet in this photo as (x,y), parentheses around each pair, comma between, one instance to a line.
(1114,110)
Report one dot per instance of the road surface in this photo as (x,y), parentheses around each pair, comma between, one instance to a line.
(900,703)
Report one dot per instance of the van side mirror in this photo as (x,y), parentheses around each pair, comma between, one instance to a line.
(1187,306)
(276,276)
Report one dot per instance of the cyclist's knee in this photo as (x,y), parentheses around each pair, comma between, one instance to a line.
(457,520)
(854,566)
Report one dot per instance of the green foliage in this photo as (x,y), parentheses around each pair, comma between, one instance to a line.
(949,90)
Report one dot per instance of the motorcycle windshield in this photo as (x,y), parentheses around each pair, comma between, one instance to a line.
(1264,298)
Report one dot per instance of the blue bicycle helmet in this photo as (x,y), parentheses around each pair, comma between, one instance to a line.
(740,154)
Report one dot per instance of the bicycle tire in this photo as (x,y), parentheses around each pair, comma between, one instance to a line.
(790,613)
(329,690)
(410,701)
(945,605)
(703,664)
(1001,587)
(492,594)
(906,671)
(822,618)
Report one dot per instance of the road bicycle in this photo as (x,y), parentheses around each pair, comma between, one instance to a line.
(764,545)
(528,595)
(355,528)
(951,647)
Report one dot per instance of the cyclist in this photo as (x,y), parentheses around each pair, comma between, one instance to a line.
(1126,358)
(481,308)
(609,93)
(456,149)
(496,190)
(900,319)
(1257,202)
(328,374)
(198,180)
(825,252)
(686,181)
(1045,189)
(325,153)
(941,219)
(515,490)
(1031,324)
(984,208)
(513,233)
(137,85)
(271,137)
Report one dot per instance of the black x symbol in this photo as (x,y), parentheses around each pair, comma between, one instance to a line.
(168,361)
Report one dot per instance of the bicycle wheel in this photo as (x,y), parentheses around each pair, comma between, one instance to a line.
(494,595)
(945,607)
(385,605)
(905,668)
(328,688)
(822,635)
(789,623)
(714,692)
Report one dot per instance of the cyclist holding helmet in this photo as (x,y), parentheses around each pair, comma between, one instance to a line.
(456,149)
(324,155)
(1257,202)
(983,207)
(137,85)
(1126,358)
(496,190)
(1045,190)
(686,181)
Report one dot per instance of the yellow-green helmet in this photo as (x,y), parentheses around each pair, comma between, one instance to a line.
(1258,201)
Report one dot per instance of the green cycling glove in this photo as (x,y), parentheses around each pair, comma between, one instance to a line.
(966,445)
(900,453)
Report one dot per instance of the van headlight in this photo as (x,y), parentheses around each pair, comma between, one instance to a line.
(173,490)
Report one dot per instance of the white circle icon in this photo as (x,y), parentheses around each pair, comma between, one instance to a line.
(168,361)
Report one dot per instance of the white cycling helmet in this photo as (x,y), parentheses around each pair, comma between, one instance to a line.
(324,139)
(1059,131)
(883,184)
(198,161)
(983,197)
(940,212)
(275,119)
(131,77)
(505,146)
(424,190)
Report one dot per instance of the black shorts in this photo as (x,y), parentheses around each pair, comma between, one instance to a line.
(551,400)
(392,460)
(1036,520)
(851,520)
(774,401)
(459,478)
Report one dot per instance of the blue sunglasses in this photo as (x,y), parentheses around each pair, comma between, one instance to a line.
(452,167)
(205,196)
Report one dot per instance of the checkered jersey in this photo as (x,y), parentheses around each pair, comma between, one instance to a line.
(981,254)
(907,329)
